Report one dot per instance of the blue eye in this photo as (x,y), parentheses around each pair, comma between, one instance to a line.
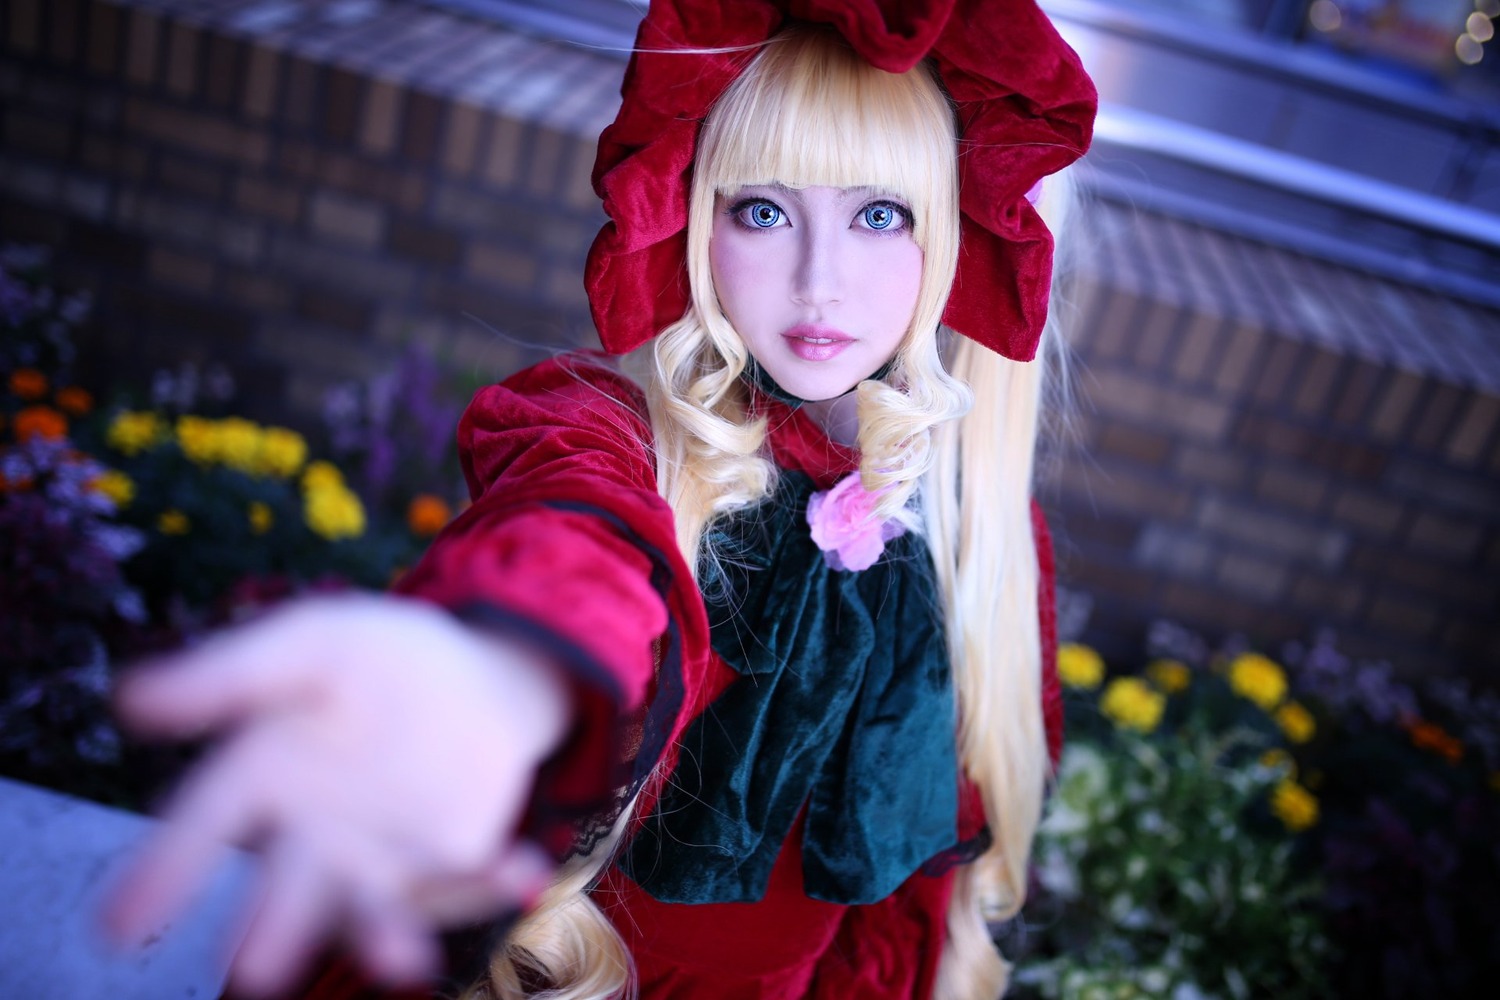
(883,216)
(758,214)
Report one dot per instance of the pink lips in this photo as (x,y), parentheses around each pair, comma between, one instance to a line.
(815,342)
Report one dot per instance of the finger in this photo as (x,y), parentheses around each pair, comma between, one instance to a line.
(513,881)
(226,677)
(221,802)
(395,945)
(297,910)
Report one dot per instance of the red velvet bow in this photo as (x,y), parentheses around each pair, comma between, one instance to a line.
(1025,110)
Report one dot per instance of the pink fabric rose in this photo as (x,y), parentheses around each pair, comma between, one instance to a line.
(845,527)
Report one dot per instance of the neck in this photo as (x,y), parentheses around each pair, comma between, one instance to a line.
(839,417)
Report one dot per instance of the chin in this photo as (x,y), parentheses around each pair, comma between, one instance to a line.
(816,390)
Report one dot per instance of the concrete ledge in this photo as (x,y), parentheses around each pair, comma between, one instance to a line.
(57,854)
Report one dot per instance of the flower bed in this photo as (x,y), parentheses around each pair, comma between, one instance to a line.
(130,528)
(1224,825)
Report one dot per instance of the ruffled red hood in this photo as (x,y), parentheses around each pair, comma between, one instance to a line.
(1025,109)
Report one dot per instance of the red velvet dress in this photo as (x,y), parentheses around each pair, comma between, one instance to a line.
(568,546)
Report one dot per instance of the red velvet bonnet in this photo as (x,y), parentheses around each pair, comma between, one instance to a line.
(1025,109)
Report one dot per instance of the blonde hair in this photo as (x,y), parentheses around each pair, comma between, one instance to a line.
(810,111)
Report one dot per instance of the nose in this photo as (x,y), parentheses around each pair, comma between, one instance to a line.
(819,280)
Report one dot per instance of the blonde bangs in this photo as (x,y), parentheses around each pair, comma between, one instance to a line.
(825,117)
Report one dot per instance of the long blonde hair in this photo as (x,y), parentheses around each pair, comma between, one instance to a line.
(810,111)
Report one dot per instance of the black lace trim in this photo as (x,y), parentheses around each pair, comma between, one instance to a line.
(960,853)
(594,825)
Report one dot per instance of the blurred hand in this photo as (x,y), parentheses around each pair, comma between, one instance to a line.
(376,752)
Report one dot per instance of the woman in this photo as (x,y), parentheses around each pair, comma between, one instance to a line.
(791,567)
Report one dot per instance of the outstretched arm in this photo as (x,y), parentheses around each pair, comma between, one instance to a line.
(376,752)
(380,752)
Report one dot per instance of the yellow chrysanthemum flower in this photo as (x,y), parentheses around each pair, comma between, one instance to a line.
(116,485)
(1295,721)
(133,432)
(1295,806)
(260,516)
(1132,704)
(282,452)
(172,522)
(1257,678)
(239,442)
(198,437)
(1169,675)
(322,475)
(1281,760)
(334,512)
(1079,666)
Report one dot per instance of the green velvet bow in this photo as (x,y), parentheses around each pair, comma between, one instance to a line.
(844,706)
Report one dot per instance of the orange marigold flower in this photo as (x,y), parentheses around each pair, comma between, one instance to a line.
(427,514)
(28,383)
(74,400)
(1432,737)
(40,422)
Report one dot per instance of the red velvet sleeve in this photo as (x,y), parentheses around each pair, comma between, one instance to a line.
(567,547)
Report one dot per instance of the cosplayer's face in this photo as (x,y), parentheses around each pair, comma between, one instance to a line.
(820,282)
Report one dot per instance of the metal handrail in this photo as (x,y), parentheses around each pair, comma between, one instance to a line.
(1303,65)
(1199,147)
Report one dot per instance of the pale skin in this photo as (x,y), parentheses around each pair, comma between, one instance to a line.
(840,262)
(378,753)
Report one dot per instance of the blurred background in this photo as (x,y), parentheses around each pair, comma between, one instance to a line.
(314,226)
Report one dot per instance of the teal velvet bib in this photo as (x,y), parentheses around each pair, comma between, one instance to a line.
(844,705)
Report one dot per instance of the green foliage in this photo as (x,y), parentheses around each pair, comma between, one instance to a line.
(1161,867)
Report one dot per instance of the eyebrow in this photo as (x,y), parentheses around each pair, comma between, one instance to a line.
(858,193)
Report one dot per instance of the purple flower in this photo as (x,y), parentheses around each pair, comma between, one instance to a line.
(15,300)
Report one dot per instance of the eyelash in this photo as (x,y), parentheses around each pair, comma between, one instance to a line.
(894,206)
(738,209)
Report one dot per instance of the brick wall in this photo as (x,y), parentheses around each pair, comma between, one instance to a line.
(293,189)
(1272,444)
(1269,443)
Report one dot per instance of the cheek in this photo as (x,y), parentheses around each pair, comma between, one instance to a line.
(895,270)
(737,272)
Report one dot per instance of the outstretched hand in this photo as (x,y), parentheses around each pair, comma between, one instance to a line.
(377,754)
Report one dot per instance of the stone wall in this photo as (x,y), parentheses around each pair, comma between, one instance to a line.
(294,188)
(1268,443)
